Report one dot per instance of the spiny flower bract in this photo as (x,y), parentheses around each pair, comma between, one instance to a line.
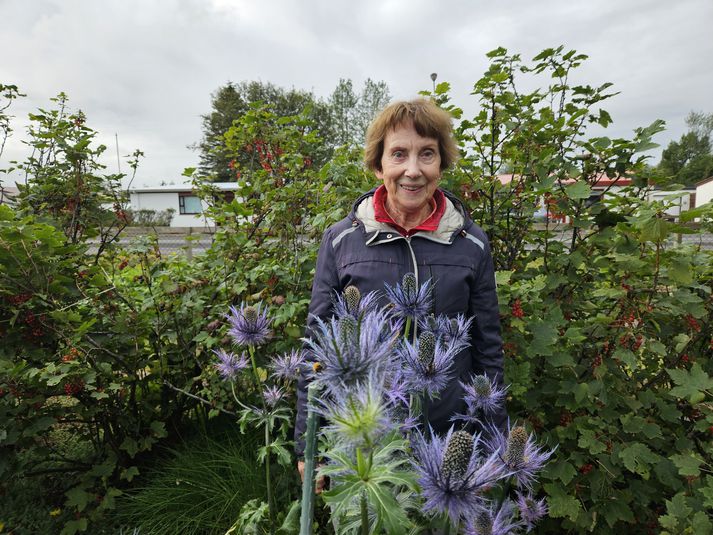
(272,396)
(519,453)
(408,299)
(494,522)
(480,394)
(349,350)
(249,325)
(352,303)
(454,331)
(358,417)
(229,364)
(453,477)
(531,510)
(288,366)
(427,366)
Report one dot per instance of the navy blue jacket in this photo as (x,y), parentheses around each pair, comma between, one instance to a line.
(362,252)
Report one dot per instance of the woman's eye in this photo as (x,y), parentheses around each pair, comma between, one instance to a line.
(398,154)
(428,155)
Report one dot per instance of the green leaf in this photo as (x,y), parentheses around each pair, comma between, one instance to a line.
(638,458)
(590,442)
(562,505)
(691,384)
(561,470)
(77,497)
(129,473)
(74,526)
(676,510)
(544,336)
(687,464)
(578,190)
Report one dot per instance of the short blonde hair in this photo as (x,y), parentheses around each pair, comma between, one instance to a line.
(429,121)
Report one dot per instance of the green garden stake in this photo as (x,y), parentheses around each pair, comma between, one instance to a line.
(308,480)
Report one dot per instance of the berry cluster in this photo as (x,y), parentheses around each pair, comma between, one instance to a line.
(516,309)
(19,299)
(72,388)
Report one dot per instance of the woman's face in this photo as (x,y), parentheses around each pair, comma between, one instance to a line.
(411,170)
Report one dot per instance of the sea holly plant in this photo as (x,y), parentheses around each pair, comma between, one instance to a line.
(387,472)
(250,327)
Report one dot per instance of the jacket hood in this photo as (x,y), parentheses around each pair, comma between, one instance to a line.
(453,221)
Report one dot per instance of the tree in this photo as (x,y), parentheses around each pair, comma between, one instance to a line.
(352,113)
(232,101)
(341,120)
(690,159)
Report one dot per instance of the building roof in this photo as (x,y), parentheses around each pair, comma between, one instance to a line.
(704,181)
(181,188)
(602,181)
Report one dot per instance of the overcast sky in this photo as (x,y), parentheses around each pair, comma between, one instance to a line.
(145,69)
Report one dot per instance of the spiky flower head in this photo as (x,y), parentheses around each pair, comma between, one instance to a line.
(531,510)
(352,303)
(410,301)
(494,522)
(349,350)
(229,364)
(249,325)
(454,331)
(272,396)
(459,450)
(288,366)
(358,417)
(480,394)
(427,365)
(519,453)
(451,481)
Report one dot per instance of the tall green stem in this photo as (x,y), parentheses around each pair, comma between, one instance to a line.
(270,505)
(364,516)
(268,482)
(308,478)
(407,328)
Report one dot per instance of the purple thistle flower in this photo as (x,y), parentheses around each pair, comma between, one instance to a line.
(454,331)
(349,350)
(408,299)
(489,522)
(272,396)
(229,365)
(452,475)
(520,454)
(288,365)
(249,325)
(427,365)
(351,303)
(481,394)
(531,510)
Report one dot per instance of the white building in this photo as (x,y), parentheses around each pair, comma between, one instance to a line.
(187,206)
(704,191)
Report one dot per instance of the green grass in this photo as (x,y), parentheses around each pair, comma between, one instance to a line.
(198,488)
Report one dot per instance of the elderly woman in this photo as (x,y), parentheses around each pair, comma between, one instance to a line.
(409,225)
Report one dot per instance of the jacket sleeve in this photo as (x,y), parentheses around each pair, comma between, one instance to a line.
(486,342)
(326,282)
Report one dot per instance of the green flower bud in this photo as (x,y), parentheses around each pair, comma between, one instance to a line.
(347,330)
(352,296)
(457,456)
(515,452)
(426,349)
(250,314)
(483,523)
(482,386)
(410,286)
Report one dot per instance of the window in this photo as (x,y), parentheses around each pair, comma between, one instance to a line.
(189,204)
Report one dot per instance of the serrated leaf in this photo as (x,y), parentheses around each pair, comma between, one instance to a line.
(638,458)
(562,470)
(77,497)
(578,190)
(687,464)
(590,442)
(562,505)
(129,473)
(691,384)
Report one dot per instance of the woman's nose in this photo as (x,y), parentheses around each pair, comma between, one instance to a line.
(413,167)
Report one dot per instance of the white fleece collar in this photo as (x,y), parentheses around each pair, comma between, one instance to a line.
(451,222)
